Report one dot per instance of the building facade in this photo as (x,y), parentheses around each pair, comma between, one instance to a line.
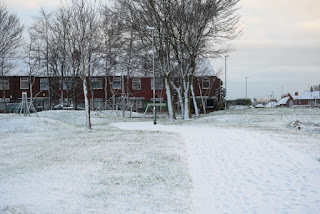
(309,98)
(104,92)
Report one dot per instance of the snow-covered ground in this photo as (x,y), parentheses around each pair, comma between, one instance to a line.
(242,161)
(275,123)
(52,165)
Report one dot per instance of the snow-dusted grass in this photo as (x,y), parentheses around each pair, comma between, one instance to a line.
(251,160)
(51,164)
(239,161)
(273,122)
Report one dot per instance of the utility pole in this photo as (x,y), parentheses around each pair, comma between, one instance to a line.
(154,79)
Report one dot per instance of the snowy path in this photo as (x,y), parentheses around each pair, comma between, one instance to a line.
(237,171)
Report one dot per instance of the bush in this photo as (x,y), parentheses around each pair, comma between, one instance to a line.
(220,105)
(239,102)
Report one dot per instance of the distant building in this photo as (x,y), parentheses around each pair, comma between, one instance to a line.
(271,104)
(285,101)
(308,98)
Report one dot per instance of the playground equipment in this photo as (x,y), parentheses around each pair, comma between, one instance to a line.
(24,107)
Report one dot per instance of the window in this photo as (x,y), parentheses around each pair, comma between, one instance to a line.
(44,84)
(4,84)
(311,102)
(98,103)
(159,83)
(116,84)
(67,84)
(24,83)
(96,83)
(206,83)
(136,84)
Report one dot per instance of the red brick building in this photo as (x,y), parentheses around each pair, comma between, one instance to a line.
(104,92)
(309,98)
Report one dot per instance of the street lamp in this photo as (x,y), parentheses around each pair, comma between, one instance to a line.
(225,81)
(154,81)
(246,87)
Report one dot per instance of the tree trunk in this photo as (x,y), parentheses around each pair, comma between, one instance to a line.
(85,93)
(123,103)
(4,99)
(62,96)
(31,94)
(196,111)
(86,104)
(169,99)
(186,100)
(180,101)
(106,93)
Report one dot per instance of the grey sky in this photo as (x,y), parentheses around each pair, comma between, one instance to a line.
(280,45)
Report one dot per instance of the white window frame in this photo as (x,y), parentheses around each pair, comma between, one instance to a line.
(136,84)
(118,81)
(44,84)
(96,80)
(206,81)
(24,80)
(5,100)
(4,84)
(159,83)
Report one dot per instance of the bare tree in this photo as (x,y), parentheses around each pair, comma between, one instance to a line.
(143,15)
(40,31)
(194,25)
(190,29)
(84,27)
(10,41)
(316,87)
(33,60)
(61,30)
(112,29)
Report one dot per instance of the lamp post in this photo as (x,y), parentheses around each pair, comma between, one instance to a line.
(225,81)
(246,87)
(154,81)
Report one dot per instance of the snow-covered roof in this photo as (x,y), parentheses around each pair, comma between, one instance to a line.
(295,97)
(309,95)
(271,105)
(283,101)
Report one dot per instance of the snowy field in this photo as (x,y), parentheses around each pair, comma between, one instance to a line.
(51,165)
(242,161)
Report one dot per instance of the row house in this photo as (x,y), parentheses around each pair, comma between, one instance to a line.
(307,98)
(104,92)
(286,100)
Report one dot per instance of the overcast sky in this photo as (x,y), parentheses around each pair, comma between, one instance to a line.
(279,48)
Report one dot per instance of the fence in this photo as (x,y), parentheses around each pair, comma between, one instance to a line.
(136,105)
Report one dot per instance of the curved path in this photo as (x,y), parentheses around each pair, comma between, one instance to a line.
(238,171)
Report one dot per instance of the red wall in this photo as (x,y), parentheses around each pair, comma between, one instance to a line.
(15,92)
